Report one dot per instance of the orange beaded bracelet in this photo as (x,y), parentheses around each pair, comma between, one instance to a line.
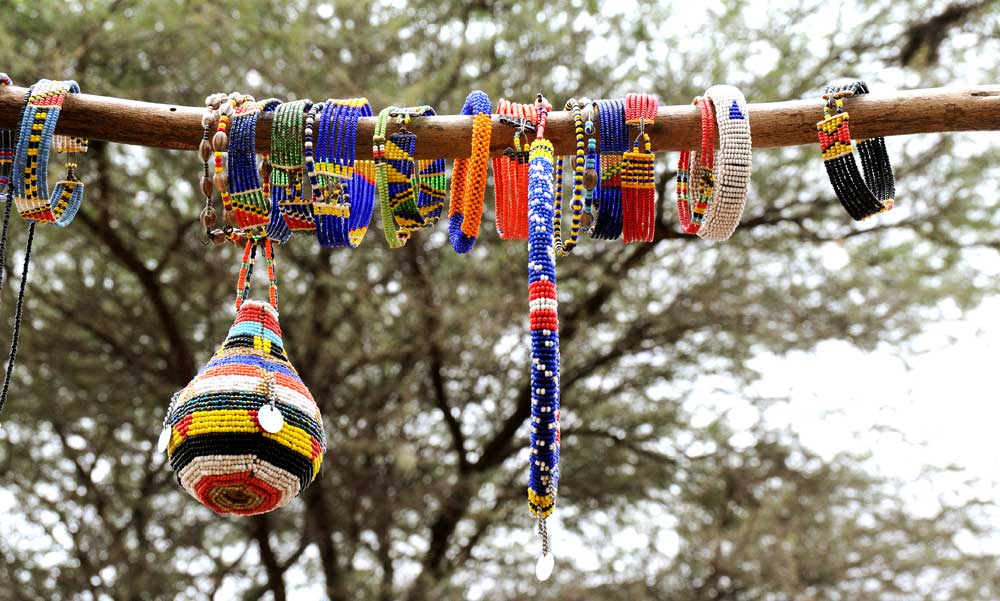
(468,180)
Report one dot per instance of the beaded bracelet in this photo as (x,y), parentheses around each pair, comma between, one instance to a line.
(638,184)
(290,211)
(590,175)
(345,210)
(396,176)
(249,205)
(433,186)
(613,135)
(702,178)
(468,178)
(510,173)
(563,248)
(732,165)
(861,197)
(543,473)
(35,140)
(220,143)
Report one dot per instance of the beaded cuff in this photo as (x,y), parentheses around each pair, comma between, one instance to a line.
(861,197)
(433,184)
(613,135)
(732,164)
(510,172)
(290,211)
(468,178)
(31,159)
(579,165)
(249,205)
(701,180)
(638,184)
(397,179)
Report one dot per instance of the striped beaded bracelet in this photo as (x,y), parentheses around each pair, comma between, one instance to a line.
(510,172)
(543,470)
(695,186)
(36,139)
(250,206)
(638,185)
(433,187)
(732,164)
(563,248)
(397,179)
(468,178)
(613,142)
(865,196)
(291,136)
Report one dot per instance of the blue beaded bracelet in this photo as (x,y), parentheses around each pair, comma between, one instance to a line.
(613,142)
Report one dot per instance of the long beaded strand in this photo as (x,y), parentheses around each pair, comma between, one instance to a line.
(579,164)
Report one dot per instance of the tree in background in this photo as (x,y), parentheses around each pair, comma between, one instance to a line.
(417,357)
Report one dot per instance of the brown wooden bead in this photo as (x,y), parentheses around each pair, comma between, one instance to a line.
(206,186)
(208,217)
(205,150)
(220,141)
(586,219)
(218,237)
(231,218)
(590,179)
(265,170)
(221,182)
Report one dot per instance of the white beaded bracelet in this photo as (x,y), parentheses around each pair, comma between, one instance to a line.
(732,163)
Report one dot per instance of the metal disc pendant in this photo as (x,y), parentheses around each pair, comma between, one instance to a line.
(164,440)
(543,569)
(270,419)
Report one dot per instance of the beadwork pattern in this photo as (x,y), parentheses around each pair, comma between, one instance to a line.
(217,447)
(613,138)
(433,185)
(468,177)
(638,184)
(397,179)
(860,197)
(31,159)
(732,163)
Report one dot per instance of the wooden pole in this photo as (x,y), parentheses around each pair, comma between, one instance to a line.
(773,124)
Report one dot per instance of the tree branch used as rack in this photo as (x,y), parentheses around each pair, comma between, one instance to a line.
(788,123)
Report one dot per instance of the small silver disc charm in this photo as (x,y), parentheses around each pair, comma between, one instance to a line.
(543,569)
(270,419)
(164,440)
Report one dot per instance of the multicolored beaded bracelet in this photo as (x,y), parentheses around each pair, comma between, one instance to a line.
(345,208)
(290,144)
(613,135)
(638,183)
(861,197)
(468,177)
(702,178)
(543,473)
(732,164)
(591,178)
(433,187)
(220,143)
(249,205)
(510,172)
(35,141)
(563,248)
(396,176)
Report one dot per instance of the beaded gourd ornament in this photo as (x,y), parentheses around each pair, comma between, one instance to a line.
(245,435)
(510,172)
(468,177)
(860,196)
(543,471)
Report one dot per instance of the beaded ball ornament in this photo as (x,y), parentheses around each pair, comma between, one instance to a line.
(860,196)
(468,177)
(245,435)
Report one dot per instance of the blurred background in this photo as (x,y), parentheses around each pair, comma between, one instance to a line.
(806,411)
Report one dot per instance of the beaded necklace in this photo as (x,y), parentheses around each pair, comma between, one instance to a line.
(468,178)
(638,183)
(701,177)
(613,135)
(579,165)
(249,204)
(860,196)
(510,172)
(543,473)
(290,143)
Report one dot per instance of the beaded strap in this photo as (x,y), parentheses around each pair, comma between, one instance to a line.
(31,159)
(468,178)
(702,177)
(246,271)
(732,165)
(290,211)
(250,207)
(510,173)
(861,197)
(613,135)
(638,184)
(563,248)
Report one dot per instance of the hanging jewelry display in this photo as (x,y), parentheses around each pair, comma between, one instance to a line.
(468,177)
(860,196)
(543,473)
(638,183)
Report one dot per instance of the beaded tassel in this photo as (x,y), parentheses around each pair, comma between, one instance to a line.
(638,185)
(543,475)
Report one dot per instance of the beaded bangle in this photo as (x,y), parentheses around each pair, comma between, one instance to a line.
(732,165)
(31,159)
(290,211)
(638,184)
(590,175)
(543,473)
(345,209)
(613,135)
(250,208)
(702,177)
(468,178)
(861,197)
(579,164)
(396,177)
(220,143)
(510,173)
